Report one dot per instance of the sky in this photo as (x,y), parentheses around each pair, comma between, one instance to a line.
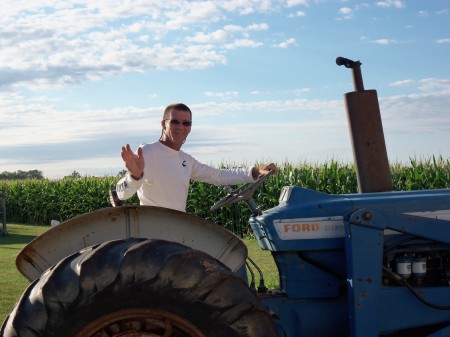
(81,78)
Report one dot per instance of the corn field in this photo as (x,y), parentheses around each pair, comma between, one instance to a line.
(38,201)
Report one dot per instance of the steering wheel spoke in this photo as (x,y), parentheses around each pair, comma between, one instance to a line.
(242,193)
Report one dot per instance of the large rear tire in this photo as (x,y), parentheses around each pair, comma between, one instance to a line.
(138,287)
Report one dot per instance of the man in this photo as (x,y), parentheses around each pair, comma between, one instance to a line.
(160,172)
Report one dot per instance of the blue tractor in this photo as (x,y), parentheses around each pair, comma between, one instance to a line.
(370,264)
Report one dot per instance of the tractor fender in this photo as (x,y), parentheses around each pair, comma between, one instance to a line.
(125,222)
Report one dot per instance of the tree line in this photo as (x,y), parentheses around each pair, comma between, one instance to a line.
(21,175)
(36,174)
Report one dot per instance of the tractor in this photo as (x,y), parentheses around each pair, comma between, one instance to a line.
(368,264)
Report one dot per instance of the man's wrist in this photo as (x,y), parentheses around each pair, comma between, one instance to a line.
(136,178)
(255,172)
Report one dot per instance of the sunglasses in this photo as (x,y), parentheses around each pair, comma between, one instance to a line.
(177,122)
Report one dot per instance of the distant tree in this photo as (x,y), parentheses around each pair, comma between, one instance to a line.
(35,174)
(122,173)
(19,175)
(75,174)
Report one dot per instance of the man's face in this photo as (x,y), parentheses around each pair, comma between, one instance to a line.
(176,128)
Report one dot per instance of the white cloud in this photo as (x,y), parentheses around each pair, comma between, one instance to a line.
(345,10)
(422,13)
(46,99)
(446,40)
(384,42)
(239,43)
(245,7)
(391,3)
(81,40)
(193,13)
(346,13)
(216,36)
(420,113)
(222,95)
(286,44)
(293,3)
(48,125)
(298,92)
(258,92)
(434,85)
(233,28)
(258,27)
(318,128)
(402,83)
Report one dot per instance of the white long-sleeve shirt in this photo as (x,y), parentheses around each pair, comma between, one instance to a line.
(167,174)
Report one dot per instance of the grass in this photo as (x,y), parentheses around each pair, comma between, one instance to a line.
(264,261)
(13,283)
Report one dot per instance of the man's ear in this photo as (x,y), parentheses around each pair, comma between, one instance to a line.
(163,124)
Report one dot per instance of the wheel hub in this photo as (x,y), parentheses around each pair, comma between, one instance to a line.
(140,323)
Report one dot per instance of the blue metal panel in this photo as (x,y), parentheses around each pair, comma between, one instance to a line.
(301,279)
(441,333)
(400,309)
(364,252)
(308,318)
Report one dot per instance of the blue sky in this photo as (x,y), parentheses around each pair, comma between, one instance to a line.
(79,79)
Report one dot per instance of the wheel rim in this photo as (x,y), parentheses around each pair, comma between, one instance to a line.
(140,323)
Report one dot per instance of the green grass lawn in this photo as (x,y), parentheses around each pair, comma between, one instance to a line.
(12,283)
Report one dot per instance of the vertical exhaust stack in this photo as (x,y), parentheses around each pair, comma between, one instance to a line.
(366,131)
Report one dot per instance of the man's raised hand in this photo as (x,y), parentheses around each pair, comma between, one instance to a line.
(133,162)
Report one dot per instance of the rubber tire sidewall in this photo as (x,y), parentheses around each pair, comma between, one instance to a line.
(139,273)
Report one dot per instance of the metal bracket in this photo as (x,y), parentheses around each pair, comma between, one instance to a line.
(364,253)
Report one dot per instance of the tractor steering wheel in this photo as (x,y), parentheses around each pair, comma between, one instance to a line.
(244,192)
